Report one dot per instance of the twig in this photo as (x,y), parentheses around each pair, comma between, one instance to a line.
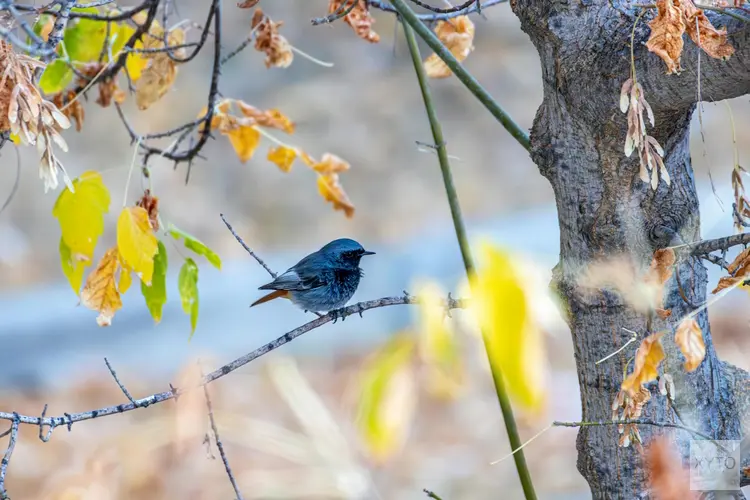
(707,246)
(14,189)
(431,494)
(408,17)
(71,418)
(463,242)
(247,248)
(56,35)
(638,421)
(448,10)
(8,452)
(716,260)
(219,444)
(430,18)
(119,384)
(342,11)
(626,344)
(45,438)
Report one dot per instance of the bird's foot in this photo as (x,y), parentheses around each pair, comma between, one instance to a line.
(360,309)
(338,314)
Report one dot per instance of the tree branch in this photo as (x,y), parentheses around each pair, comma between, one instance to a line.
(70,418)
(219,444)
(705,247)
(8,452)
(409,17)
(431,18)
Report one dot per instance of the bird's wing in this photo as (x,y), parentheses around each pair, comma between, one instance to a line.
(293,281)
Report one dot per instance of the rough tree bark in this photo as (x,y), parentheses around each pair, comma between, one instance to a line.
(604,208)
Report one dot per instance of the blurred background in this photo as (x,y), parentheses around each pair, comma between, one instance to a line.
(287,419)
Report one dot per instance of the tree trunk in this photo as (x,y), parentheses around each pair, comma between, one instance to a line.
(605,209)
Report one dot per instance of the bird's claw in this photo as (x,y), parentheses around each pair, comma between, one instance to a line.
(338,314)
(360,309)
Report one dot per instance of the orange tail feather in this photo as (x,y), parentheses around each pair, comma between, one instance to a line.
(273,295)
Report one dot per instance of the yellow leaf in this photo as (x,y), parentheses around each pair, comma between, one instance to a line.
(73,267)
(100,292)
(458,36)
(81,213)
(273,118)
(137,242)
(387,398)
(689,338)
(125,279)
(135,63)
(438,345)
(156,79)
(330,189)
(513,341)
(283,157)
(647,358)
(244,139)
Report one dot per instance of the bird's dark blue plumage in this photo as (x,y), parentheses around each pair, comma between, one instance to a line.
(322,281)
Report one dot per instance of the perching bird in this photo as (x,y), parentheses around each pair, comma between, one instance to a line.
(323,281)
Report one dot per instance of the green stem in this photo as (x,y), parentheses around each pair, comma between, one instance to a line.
(411,19)
(463,241)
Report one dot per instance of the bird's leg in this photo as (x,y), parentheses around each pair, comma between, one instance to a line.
(360,308)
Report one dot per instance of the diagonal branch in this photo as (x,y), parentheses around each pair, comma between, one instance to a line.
(409,17)
(8,452)
(69,419)
(219,444)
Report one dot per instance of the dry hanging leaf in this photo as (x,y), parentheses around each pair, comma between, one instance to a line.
(359,18)
(267,39)
(70,108)
(150,203)
(713,42)
(330,164)
(283,157)
(689,338)
(666,477)
(632,408)
(100,290)
(741,207)
(247,4)
(647,358)
(273,118)
(458,36)
(667,29)
(161,70)
(739,271)
(331,190)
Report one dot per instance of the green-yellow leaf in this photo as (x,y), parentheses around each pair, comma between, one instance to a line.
(119,38)
(387,398)
(156,294)
(438,346)
(197,246)
(56,77)
(137,242)
(188,285)
(81,215)
(72,268)
(513,341)
(84,38)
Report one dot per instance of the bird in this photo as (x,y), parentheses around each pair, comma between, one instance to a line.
(323,281)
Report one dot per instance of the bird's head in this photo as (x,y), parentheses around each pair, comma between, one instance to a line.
(345,252)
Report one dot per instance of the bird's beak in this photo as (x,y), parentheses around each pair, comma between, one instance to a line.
(367,252)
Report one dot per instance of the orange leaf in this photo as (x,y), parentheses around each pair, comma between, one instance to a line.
(740,266)
(689,338)
(283,157)
(661,269)
(667,29)
(667,479)
(727,282)
(100,290)
(458,37)
(331,190)
(247,4)
(647,359)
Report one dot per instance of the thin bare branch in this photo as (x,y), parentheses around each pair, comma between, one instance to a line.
(707,246)
(8,452)
(117,380)
(220,445)
(247,248)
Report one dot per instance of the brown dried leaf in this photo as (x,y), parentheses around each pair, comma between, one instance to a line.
(359,18)
(247,4)
(458,37)
(73,110)
(267,39)
(713,41)
(667,29)
(740,266)
(330,164)
(151,204)
(647,358)
(667,479)
(100,290)
(726,282)
(689,338)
